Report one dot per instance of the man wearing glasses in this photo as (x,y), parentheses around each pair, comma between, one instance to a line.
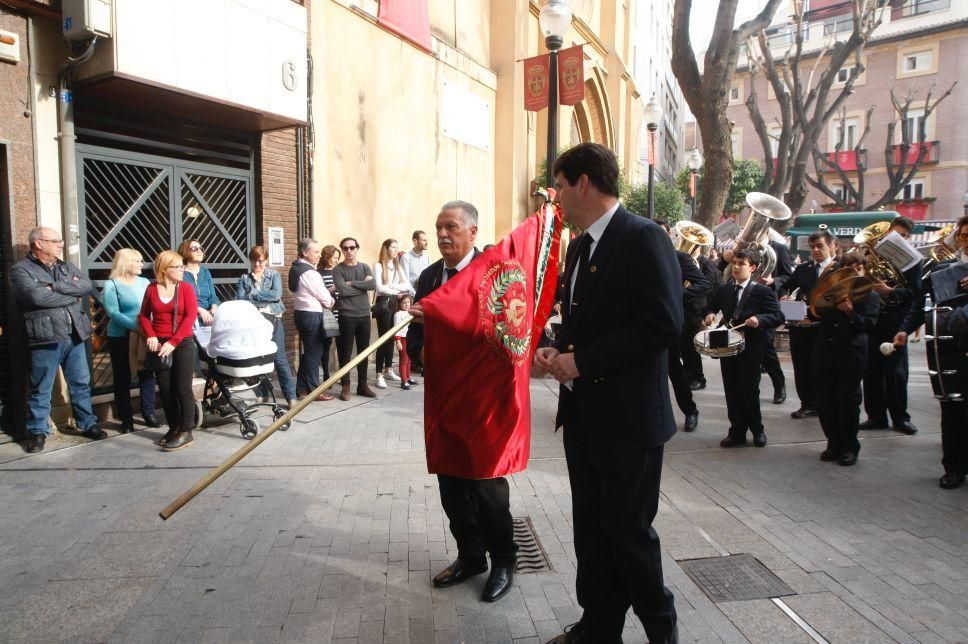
(51,295)
(354,281)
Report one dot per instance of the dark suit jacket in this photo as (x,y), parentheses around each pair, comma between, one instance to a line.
(784,264)
(804,277)
(695,285)
(429,281)
(758,300)
(629,313)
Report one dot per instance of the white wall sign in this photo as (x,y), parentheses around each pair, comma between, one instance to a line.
(466,117)
(277,252)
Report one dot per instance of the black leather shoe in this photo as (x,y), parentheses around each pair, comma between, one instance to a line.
(873,424)
(127,426)
(36,443)
(829,455)
(906,427)
(949,481)
(692,422)
(803,412)
(779,396)
(459,571)
(151,421)
(574,634)
(498,583)
(181,439)
(94,433)
(696,385)
(733,441)
(847,459)
(759,440)
(170,434)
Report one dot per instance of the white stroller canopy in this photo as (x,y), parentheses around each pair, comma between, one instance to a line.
(239,331)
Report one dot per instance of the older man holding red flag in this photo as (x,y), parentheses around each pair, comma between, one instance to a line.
(477,321)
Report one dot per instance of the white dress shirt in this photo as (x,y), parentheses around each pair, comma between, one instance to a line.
(461,265)
(594,232)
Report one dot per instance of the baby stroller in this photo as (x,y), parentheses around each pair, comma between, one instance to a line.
(237,355)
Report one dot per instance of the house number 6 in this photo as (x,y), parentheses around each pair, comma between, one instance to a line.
(289,75)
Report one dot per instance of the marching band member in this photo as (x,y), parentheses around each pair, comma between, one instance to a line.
(803,337)
(695,288)
(743,301)
(839,359)
(886,376)
(954,410)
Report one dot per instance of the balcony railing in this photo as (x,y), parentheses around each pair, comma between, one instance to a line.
(911,8)
(932,155)
(848,160)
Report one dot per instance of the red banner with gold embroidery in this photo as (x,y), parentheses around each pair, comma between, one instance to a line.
(481,329)
(571,76)
(536,83)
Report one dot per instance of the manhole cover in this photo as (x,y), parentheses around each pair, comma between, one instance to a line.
(531,556)
(735,578)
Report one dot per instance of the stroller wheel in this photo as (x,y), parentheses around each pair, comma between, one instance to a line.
(279,413)
(249,428)
(199,414)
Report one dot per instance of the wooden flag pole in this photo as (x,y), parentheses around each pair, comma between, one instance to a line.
(294,411)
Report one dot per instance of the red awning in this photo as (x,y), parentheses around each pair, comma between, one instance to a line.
(407,18)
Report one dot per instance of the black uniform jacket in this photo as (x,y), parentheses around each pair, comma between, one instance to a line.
(804,277)
(628,313)
(757,300)
(695,285)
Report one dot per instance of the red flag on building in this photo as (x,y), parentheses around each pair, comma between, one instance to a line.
(408,18)
(571,76)
(536,83)
(481,329)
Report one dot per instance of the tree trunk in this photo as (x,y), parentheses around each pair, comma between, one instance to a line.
(715,130)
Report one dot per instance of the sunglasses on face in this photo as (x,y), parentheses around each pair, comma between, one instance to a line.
(345,248)
(962,236)
(196,249)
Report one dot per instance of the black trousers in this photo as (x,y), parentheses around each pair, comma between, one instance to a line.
(885,384)
(802,341)
(680,383)
(384,355)
(327,346)
(615,496)
(311,335)
(954,436)
(479,511)
(691,360)
(837,371)
(353,329)
(121,376)
(176,387)
(741,382)
(771,362)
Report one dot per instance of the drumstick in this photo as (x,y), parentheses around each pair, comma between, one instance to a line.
(738,326)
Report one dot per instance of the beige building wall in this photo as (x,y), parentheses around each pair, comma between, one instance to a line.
(383,163)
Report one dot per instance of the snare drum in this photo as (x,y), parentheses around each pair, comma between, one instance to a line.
(735,342)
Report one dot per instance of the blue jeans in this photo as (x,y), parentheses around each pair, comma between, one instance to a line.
(310,327)
(283,371)
(44,361)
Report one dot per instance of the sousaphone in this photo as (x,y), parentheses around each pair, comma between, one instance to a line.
(764,211)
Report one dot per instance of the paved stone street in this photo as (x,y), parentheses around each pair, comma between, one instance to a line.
(332,531)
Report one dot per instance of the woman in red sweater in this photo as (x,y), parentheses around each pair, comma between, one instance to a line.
(167,315)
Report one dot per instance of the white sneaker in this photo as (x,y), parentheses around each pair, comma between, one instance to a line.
(389,373)
(381,382)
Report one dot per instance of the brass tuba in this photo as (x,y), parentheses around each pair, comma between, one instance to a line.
(691,238)
(877,266)
(764,210)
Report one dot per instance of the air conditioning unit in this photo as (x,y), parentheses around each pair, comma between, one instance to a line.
(83,19)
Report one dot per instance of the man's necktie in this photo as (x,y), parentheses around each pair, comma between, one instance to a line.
(451,272)
(581,266)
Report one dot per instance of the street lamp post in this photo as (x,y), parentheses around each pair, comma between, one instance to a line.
(653,114)
(554,19)
(694,161)
(965,200)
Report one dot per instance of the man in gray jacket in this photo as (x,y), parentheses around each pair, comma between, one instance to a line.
(51,294)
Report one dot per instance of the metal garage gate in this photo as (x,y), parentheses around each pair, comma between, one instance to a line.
(151,203)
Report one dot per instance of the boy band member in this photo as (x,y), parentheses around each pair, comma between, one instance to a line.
(744,301)
(803,336)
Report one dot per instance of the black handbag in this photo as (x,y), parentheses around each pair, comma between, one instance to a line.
(155,362)
(384,305)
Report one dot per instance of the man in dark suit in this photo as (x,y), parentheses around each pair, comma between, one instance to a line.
(621,313)
(691,360)
(886,376)
(479,510)
(803,335)
(743,301)
(695,288)
(771,361)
